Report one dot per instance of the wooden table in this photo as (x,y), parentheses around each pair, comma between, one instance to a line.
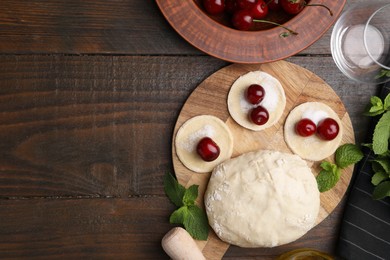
(89,94)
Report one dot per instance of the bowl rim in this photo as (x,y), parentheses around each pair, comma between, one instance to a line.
(187,19)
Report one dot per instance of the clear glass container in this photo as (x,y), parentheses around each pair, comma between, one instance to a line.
(360,42)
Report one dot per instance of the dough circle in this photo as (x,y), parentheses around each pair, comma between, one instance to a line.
(262,199)
(192,131)
(311,148)
(274,100)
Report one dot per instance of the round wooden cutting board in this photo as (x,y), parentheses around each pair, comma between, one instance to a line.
(210,98)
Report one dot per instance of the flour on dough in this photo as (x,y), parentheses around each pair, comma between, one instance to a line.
(192,131)
(274,100)
(312,147)
(262,199)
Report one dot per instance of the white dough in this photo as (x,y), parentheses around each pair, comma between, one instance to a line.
(262,199)
(274,100)
(312,147)
(192,131)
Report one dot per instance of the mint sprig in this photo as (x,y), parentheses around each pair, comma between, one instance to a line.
(383,73)
(330,174)
(381,191)
(386,103)
(380,146)
(380,139)
(188,214)
(381,177)
(376,107)
(348,154)
(378,177)
(174,190)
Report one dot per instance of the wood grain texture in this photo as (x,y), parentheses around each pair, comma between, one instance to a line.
(84,228)
(100,27)
(84,27)
(300,86)
(69,122)
(85,140)
(56,109)
(71,126)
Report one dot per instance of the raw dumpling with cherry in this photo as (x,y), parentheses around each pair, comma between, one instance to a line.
(313,131)
(203,142)
(256,100)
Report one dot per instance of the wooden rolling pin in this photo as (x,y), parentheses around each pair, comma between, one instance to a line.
(179,245)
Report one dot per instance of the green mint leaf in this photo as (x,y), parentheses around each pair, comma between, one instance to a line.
(378,177)
(193,218)
(348,154)
(327,179)
(376,167)
(375,107)
(381,74)
(179,215)
(381,165)
(380,140)
(190,195)
(196,223)
(174,190)
(376,102)
(386,103)
(381,191)
(327,166)
(367,113)
(385,154)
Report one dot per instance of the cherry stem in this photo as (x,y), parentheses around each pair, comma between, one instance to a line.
(268,2)
(330,11)
(284,27)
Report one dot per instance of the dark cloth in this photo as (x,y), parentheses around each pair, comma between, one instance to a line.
(365,227)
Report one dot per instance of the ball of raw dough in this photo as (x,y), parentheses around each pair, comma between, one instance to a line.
(262,199)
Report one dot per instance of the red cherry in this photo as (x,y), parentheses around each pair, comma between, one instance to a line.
(328,129)
(296,6)
(242,20)
(207,149)
(214,7)
(246,4)
(231,6)
(274,5)
(255,94)
(293,6)
(259,115)
(305,127)
(260,10)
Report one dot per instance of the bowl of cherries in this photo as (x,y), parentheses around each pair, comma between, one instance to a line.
(251,31)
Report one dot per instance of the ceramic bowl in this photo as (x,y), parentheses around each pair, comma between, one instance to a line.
(214,36)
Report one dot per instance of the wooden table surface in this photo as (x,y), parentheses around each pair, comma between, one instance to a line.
(89,94)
